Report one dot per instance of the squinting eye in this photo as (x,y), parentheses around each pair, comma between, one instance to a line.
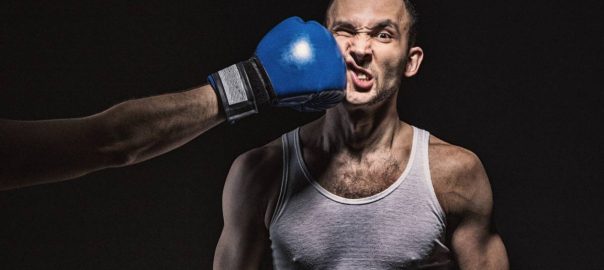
(344,33)
(384,36)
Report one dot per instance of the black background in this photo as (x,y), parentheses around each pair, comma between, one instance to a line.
(517,82)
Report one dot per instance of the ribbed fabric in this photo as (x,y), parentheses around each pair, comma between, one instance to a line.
(402,227)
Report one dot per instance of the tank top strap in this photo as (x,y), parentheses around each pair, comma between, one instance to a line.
(423,164)
(288,145)
(423,142)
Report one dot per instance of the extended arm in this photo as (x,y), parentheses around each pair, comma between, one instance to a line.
(35,152)
(476,244)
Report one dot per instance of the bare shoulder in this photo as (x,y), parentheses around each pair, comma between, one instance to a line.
(453,162)
(458,176)
(257,168)
(261,160)
(254,179)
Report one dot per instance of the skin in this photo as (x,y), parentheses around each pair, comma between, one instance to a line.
(37,152)
(359,141)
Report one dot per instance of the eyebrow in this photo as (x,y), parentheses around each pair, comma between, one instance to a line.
(379,25)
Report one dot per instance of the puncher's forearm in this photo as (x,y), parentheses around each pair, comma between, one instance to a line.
(36,152)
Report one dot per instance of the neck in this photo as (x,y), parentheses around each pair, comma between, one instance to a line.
(360,129)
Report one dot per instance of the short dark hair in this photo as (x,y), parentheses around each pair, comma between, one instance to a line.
(413,19)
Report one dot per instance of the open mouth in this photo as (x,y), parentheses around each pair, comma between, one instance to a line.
(361,79)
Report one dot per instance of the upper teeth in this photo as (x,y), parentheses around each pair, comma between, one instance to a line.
(362,76)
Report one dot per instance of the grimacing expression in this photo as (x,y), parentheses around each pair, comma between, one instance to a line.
(372,36)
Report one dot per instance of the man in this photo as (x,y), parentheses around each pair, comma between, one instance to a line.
(358,188)
(36,152)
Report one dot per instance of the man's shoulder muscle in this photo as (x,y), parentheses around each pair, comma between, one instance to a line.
(457,176)
(464,191)
(261,160)
(255,177)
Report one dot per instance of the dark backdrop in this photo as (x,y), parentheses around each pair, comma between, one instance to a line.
(517,82)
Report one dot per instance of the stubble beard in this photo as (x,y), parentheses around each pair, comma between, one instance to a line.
(383,95)
(390,90)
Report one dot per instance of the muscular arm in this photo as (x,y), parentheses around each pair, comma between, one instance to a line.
(35,152)
(475,243)
(246,203)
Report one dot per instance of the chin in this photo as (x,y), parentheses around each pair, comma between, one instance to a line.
(354,97)
(367,100)
(357,100)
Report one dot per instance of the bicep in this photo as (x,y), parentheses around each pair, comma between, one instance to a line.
(239,249)
(244,237)
(475,242)
(476,249)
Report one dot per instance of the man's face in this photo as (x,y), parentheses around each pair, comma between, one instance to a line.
(372,36)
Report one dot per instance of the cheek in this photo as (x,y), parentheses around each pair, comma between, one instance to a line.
(391,64)
(342,44)
(389,68)
(392,73)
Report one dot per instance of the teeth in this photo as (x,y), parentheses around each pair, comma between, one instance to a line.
(362,76)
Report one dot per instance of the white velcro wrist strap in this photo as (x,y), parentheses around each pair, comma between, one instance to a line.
(232,82)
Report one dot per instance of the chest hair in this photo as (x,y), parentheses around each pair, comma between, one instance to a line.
(355,178)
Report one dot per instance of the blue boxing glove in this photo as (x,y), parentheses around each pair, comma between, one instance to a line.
(297,64)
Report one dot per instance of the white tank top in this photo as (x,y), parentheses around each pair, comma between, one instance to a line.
(402,227)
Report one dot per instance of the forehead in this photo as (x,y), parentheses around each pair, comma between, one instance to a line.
(367,12)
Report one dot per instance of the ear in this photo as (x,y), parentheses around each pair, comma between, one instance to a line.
(414,60)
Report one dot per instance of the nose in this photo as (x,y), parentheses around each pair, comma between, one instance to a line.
(360,49)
